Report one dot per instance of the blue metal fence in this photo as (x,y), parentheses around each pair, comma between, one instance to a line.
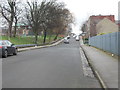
(107,42)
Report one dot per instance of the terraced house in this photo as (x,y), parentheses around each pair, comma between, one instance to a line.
(99,24)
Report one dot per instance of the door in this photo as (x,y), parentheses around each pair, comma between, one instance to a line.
(10,48)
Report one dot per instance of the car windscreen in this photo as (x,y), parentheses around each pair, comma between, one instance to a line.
(3,43)
(8,43)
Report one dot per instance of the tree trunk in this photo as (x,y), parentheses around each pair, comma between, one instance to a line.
(14,35)
(50,38)
(10,29)
(10,24)
(45,35)
(36,38)
(56,36)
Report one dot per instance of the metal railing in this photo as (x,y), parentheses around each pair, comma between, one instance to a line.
(25,45)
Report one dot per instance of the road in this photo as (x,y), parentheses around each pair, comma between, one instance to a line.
(53,67)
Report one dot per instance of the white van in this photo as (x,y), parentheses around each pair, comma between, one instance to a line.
(77,38)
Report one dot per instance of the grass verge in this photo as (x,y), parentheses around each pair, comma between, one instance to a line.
(27,39)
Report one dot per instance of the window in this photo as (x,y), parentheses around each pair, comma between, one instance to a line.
(4,43)
(8,43)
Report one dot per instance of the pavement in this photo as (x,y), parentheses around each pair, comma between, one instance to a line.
(104,66)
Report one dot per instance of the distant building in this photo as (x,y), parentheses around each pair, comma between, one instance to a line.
(4,30)
(89,27)
(22,30)
(93,21)
(118,23)
(106,26)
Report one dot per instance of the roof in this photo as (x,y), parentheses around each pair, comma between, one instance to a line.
(100,17)
(20,24)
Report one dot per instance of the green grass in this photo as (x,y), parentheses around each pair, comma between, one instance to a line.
(19,40)
(27,39)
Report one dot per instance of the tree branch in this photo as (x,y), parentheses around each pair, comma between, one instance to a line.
(2,12)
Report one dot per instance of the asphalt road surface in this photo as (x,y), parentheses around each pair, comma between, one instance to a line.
(54,67)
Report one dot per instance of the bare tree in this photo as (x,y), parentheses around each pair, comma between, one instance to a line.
(17,16)
(37,16)
(8,12)
(57,19)
(47,16)
(34,13)
(63,22)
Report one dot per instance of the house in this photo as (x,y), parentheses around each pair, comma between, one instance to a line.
(22,29)
(93,21)
(90,25)
(106,26)
(4,31)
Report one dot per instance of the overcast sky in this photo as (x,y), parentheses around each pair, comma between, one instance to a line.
(82,9)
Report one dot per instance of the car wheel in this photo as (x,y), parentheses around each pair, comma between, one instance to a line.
(15,53)
(5,54)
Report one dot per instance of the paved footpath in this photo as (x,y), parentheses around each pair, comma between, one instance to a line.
(104,64)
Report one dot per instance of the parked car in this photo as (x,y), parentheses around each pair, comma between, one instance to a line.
(77,38)
(66,41)
(74,36)
(68,37)
(7,48)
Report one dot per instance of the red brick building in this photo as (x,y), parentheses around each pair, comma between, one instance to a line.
(93,21)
